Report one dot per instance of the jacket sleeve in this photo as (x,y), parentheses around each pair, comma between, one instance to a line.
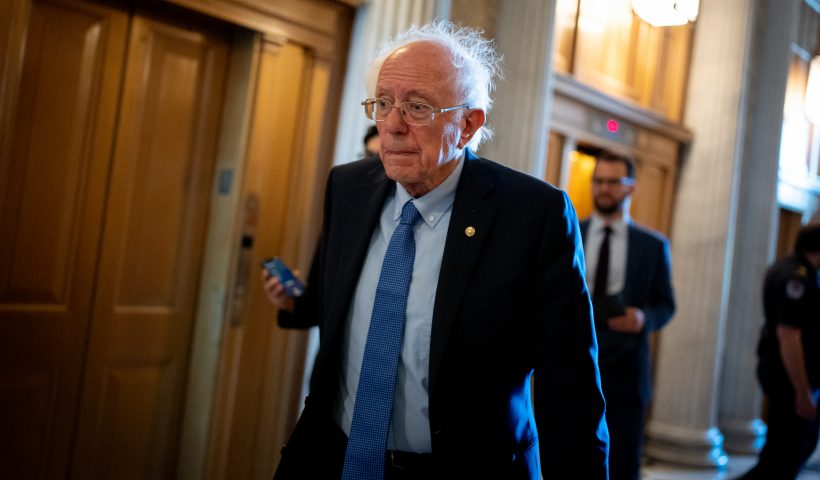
(307,311)
(569,404)
(661,303)
(305,314)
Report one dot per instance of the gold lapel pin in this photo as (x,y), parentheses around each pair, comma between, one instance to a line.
(469,231)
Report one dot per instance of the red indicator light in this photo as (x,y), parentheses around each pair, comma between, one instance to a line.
(612,126)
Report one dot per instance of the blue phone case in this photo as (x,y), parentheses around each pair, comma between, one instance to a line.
(277,268)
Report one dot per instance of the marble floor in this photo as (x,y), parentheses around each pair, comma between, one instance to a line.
(737,466)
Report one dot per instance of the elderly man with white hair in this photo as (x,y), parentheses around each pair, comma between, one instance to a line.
(442,283)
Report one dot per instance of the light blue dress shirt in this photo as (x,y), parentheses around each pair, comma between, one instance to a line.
(410,426)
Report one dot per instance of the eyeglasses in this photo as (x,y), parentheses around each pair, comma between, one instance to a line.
(413,113)
(611,182)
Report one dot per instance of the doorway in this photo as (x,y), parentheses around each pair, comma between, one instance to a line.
(579,182)
(105,181)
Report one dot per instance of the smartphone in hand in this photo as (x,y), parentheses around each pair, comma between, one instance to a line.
(277,268)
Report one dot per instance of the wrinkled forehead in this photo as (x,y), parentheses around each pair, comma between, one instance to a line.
(419,65)
(424,50)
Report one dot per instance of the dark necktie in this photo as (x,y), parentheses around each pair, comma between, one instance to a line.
(367,444)
(602,270)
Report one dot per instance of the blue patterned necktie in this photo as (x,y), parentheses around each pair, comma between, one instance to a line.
(367,444)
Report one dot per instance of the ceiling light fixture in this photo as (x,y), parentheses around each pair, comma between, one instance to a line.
(666,13)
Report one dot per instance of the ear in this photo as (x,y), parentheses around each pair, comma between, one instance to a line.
(470,123)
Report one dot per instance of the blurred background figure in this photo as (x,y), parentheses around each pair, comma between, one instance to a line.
(628,271)
(788,356)
(371,143)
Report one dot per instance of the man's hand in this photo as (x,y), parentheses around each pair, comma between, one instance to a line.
(804,406)
(276,292)
(631,321)
(791,352)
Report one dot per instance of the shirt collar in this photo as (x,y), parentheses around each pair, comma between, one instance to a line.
(597,223)
(435,203)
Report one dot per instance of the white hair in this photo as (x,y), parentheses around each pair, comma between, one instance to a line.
(475,59)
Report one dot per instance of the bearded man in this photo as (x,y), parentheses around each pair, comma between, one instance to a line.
(628,270)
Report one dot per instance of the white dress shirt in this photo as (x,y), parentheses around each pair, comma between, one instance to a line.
(618,243)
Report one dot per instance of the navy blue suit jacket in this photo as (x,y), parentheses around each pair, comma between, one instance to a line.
(511,300)
(624,357)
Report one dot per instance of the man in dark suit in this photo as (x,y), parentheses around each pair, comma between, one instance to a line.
(629,269)
(493,293)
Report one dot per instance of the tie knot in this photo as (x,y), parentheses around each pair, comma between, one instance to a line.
(607,231)
(409,214)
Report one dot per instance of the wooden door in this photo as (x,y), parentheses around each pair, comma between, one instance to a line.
(54,162)
(151,251)
(256,395)
(788,226)
(104,187)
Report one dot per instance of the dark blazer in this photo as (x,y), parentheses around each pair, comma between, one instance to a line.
(624,357)
(511,300)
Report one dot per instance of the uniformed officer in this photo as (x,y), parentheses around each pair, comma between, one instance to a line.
(789,359)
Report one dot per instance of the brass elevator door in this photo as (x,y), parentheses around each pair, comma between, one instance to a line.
(104,192)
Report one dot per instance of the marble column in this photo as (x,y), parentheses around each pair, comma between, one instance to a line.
(375,21)
(523,100)
(754,243)
(683,426)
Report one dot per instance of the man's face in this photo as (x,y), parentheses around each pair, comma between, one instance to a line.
(609,191)
(420,156)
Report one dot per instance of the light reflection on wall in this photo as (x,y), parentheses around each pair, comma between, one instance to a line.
(579,188)
(798,178)
(796,134)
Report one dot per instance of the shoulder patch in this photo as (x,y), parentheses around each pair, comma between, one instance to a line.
(795,289)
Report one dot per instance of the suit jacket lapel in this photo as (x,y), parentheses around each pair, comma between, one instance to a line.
(473,207)
(633,253)
(361,206)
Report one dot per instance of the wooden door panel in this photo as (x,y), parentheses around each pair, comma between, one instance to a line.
(555,158)
(297,238)
(129,411)
(579,182)
(669,86)
(270,175)
(648,205)
(52,184)
(260,375)
(566,18)
(152,247)
(29,404)
(604,44)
